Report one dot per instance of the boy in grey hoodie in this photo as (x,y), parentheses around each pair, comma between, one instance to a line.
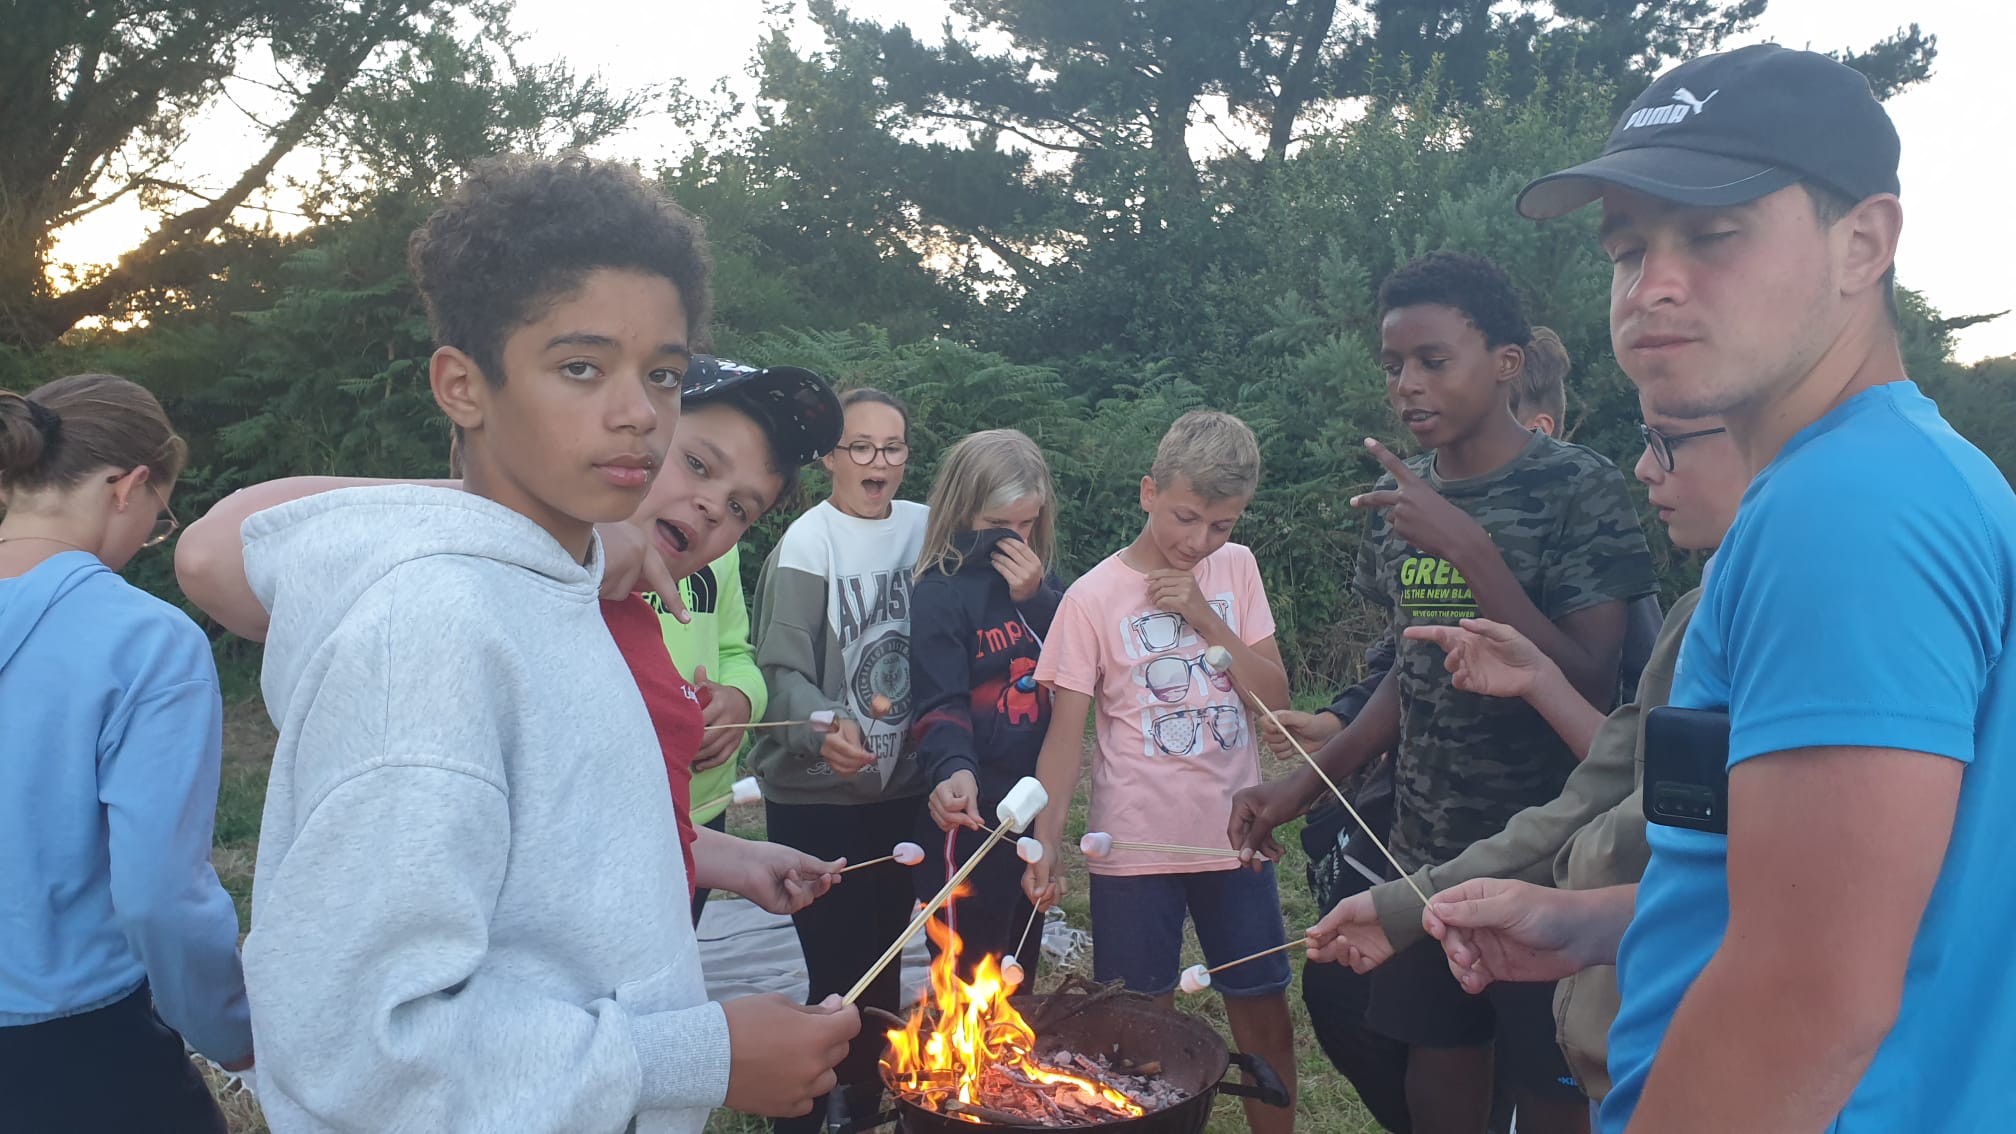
(469,907)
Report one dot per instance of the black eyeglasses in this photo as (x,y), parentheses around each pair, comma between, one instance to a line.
(1662,445)
(864,453)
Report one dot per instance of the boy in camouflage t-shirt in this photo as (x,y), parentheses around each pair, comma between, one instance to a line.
(1563,524)
(1493,522)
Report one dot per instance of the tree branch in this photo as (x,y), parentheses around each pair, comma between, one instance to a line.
(1005,128)
(1022,266)
(141,267)
(93,204)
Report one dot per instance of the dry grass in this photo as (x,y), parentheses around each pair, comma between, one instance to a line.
(1327,1104)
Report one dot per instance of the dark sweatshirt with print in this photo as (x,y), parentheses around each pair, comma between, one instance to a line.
(973,670)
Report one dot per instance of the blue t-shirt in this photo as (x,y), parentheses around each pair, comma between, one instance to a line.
(1862,598)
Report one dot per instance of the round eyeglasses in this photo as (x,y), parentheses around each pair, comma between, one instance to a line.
(863,453)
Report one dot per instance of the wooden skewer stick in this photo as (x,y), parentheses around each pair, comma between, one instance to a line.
(1211,852)
(823,720)
(1299,941)
(754,724)
(924,915)
(1099,844)
(1334,790)
(1029,925)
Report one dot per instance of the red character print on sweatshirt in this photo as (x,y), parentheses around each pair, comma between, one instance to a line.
(1020,701)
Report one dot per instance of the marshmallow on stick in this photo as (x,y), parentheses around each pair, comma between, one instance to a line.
(1197,978)
(745,791)
(1019,808)
(821,720)
(1099,844)
(902,854)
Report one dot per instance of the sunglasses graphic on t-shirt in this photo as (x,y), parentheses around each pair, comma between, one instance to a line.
(1180,733)
(1165,629)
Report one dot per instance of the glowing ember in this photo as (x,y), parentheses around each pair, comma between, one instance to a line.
(965,1046)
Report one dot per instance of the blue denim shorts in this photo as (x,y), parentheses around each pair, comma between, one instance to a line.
(1137,929)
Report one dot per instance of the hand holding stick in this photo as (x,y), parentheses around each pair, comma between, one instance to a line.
(1219,660)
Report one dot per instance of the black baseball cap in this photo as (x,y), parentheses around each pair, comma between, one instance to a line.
(796,408)
(1729,128)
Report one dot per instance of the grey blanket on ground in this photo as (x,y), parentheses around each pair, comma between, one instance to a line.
(744,950)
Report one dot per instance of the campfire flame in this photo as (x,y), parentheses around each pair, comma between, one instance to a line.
(959,1031)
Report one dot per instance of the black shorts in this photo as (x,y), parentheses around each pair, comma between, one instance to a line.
(1415,999)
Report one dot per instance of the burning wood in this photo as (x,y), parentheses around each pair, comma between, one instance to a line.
(967,1053)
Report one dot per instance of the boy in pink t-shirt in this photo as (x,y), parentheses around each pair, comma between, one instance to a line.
(1175,740)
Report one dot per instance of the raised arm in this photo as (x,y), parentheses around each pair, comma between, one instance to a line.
(1585,634)
(210,557)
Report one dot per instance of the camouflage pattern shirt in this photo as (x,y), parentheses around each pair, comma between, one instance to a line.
(1562,519)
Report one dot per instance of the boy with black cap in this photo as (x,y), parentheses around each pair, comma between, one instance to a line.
(1822,964)
(745,433)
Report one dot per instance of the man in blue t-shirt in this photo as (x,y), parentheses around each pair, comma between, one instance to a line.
(1836,961)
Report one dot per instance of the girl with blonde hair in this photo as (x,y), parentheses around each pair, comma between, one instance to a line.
(980,606)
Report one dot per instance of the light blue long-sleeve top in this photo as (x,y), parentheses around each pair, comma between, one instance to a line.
(111,729)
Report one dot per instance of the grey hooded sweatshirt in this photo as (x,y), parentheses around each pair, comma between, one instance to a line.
(470,907)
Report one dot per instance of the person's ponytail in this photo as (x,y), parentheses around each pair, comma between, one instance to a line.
(57,434)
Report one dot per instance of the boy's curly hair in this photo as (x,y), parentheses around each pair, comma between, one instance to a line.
(1471,284)
(522,231)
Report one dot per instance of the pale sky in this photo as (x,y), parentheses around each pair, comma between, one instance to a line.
(1958,164)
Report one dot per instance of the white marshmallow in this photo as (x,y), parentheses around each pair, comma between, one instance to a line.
(1196,978)
(822,720)
(907,854)
(1096,844)
(1011,971)
(1028,849)
(746,790)
(1023,803)
(1218,659)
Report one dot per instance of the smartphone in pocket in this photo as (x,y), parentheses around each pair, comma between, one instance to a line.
(1687,769)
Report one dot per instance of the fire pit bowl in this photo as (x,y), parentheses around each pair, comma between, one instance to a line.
(1125,1029)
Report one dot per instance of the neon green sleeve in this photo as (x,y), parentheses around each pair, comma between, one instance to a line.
(738,657)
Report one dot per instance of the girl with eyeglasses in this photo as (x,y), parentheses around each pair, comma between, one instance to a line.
(832,618)
(119,941)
